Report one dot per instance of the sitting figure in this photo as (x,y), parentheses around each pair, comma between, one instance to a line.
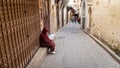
(45,41)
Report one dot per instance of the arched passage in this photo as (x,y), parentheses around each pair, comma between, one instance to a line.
(70,9)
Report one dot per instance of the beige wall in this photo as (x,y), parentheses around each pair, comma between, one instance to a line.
(70,14)
(106,21)
(53,18)
(60,14)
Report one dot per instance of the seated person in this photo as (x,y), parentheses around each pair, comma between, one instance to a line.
(45,41)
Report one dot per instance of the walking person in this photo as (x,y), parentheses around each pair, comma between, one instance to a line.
(76,18)
(79,20)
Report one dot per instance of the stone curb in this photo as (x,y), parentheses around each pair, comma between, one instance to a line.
(40,55)
(105,47)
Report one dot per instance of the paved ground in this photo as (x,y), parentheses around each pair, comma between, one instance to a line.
(75,49)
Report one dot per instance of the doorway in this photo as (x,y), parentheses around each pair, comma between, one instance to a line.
(90,17)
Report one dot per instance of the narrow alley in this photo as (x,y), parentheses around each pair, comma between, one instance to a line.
(30,30)
(75,49)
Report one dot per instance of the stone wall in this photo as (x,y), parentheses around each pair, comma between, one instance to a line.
(105,21)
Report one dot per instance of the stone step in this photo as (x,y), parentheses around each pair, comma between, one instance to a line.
(38,58)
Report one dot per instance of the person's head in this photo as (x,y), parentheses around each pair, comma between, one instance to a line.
(45,30)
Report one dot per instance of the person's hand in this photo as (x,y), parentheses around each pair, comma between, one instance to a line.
(52,40)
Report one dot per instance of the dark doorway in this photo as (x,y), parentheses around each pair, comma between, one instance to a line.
(90,17)
(57,12)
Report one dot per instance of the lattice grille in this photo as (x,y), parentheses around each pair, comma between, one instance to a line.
(19,32)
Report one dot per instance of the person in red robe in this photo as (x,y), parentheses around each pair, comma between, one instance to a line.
(45,41)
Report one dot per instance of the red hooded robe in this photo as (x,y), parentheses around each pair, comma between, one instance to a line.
(45,41)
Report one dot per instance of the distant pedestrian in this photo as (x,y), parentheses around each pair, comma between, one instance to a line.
(79,20)
(76,19)
(72,19)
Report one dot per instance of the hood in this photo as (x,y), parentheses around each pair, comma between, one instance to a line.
(45,30)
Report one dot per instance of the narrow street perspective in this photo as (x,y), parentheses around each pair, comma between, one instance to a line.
(75,49)
(59,33)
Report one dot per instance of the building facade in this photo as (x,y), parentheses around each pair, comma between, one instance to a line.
(102,20)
